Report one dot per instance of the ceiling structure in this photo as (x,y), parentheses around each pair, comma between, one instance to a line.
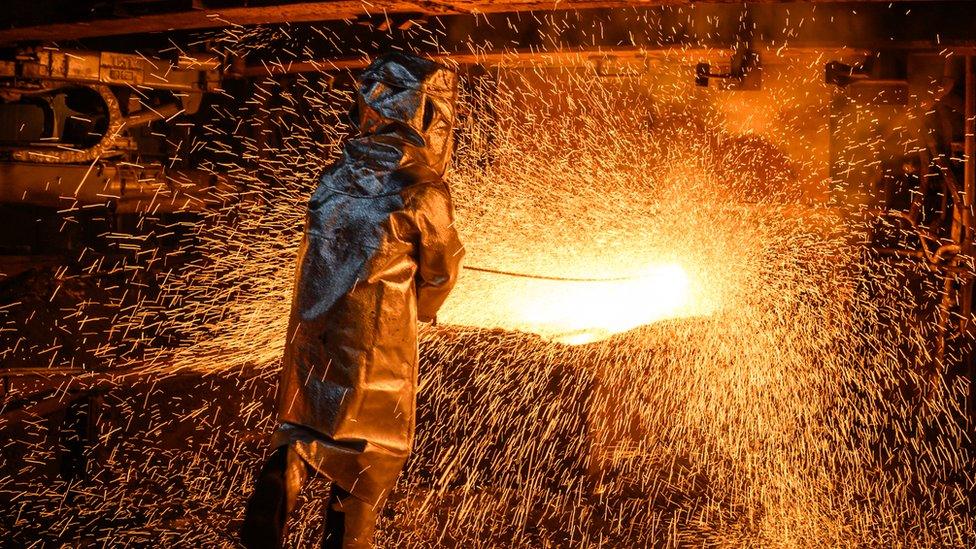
(79,19)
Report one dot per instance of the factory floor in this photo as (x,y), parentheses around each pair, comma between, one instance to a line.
(520,443)
(168,461)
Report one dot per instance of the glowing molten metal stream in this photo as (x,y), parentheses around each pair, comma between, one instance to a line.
(586,312)
(574,311)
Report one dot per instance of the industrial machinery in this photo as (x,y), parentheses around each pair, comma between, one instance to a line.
(129,127)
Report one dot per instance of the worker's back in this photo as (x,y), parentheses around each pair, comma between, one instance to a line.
(379,251)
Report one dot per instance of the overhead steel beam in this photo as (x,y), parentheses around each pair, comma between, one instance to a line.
(575,57)
(304,12)
(969,185)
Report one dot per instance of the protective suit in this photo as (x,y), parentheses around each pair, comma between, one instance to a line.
(380,252)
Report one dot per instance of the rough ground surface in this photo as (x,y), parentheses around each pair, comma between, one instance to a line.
(174,459)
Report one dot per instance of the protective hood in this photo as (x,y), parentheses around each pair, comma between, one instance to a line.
(405,113)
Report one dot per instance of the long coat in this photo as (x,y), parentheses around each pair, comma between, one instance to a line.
(379,252)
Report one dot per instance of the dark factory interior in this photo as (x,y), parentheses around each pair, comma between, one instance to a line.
(717,284)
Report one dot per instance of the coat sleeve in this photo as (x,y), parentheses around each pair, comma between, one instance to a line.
(439,252)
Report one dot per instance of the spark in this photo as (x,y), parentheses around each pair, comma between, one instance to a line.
(743,372)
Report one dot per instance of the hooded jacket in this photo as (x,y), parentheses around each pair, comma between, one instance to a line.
(379,252)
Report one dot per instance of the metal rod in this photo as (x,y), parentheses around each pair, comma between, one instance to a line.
(577,56)
(969,178)
(969,185)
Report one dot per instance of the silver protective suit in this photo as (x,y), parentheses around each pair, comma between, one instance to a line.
(379,253)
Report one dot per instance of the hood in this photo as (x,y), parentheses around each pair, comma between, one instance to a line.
(407,103)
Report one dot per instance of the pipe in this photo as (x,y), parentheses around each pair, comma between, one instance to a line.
(969,185)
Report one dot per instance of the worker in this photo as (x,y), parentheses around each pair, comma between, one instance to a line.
(380,252)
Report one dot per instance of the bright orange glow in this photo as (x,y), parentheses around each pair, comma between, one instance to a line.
(587,312)
(574,312)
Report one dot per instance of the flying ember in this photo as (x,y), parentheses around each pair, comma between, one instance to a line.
(488,274)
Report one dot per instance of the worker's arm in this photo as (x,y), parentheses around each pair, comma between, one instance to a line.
(439,251)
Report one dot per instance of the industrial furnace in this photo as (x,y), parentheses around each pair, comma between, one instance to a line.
(717,286)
